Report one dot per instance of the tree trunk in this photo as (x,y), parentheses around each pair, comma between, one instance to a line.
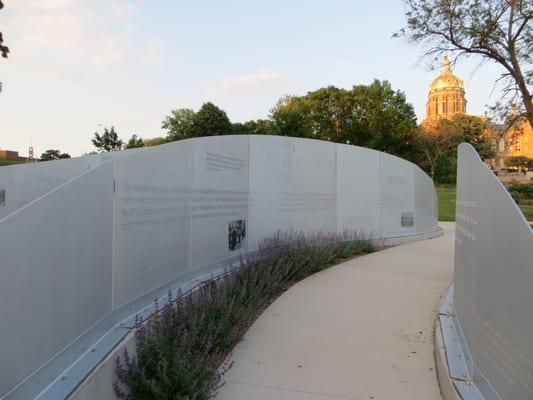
(431,164)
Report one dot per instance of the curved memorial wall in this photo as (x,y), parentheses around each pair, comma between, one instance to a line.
(79,261)
(23,183)
(487,318)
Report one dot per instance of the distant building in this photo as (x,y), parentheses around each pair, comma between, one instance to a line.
(446,96)
(515,142)
(11,155)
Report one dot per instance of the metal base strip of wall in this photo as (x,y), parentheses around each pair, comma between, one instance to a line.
(459,377)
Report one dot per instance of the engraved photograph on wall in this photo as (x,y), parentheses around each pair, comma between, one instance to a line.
(407,219)
(236,234)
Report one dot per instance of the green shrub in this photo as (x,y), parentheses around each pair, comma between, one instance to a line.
(521,190)
(446,170)
(181,350)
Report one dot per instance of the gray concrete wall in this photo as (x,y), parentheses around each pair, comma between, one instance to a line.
(23,183)
(80,258)
(491,314)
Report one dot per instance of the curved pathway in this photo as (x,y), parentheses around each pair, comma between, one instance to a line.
(360,330)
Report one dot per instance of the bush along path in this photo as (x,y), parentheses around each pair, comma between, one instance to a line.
(181,350)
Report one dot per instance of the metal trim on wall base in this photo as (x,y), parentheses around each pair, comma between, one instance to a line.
(450,359)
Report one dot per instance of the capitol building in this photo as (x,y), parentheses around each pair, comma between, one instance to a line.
(446,97)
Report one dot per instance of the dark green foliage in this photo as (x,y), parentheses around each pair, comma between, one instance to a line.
(53,155)
(179,124)
(521,162)
(156,141)
(374,116)
(291,116)
(524,189)
(4,50)
(522,193)
(386,121)
(107,141)
(446,170)
(184,123)
(181,351)
(210,121)
(473,130)
(134,142)
(439,146)
(258,127)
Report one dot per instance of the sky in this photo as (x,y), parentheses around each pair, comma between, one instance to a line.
(77,66)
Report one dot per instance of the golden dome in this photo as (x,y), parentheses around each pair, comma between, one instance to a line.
(446,94)
(446,80)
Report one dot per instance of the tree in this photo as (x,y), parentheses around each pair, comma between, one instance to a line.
(184,123)
(470,129)
(433,147)
(51,154)
(210,121)
(291,117)
(134,142)
(331,112)
(258,127)
(108,141)
(179,124)
(521,162)
(439,146)
(154,141)
(374,116)
(499,31)
(4,50)
(383,119)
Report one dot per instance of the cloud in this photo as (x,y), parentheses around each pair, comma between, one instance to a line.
(263,82)
(59,32)
(41,4)
(120,9)
(250,96)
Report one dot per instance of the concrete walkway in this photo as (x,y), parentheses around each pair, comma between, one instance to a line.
(360,330)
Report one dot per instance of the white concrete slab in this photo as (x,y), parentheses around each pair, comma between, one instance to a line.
(359,330)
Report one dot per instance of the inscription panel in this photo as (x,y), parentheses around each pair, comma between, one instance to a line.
(152,219)
(358,189)
(55,278)
(271,182)
(397,195)
(493,281)
(314,196)
(220,197)
(425,202)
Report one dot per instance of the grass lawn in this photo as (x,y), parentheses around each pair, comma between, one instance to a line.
(446,196)
(4,162)
(528,212)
